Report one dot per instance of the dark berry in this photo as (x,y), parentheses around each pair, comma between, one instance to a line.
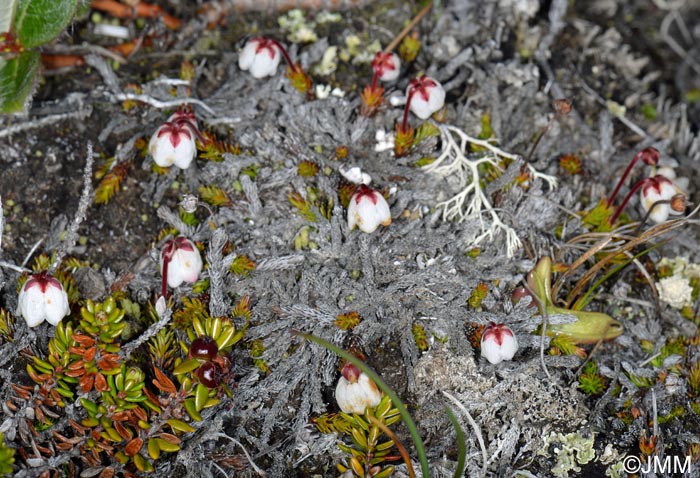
(209,374)
(204,347)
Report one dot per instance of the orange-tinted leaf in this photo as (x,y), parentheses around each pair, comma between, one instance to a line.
(86,383)
(107,473)
(163,382)
(90,354)
(84,340)
(170,438)
(133,446)
(124,432)
(101,383)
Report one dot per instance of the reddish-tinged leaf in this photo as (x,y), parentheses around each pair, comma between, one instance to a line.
(170,438)
(133,447)
(163,382)
(86,383)
(101,383)
(84,340)
(124,432)
(90,354)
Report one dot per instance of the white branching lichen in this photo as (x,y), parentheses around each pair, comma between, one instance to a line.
(454,159)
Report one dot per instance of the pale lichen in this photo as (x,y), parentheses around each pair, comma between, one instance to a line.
(571,450)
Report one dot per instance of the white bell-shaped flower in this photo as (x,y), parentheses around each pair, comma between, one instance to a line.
(42,298)
(368,209)
(356,391)
(386,66)
(174,143)
(498,343)
(425,96)
(180,262)
(260,56)
(660,188)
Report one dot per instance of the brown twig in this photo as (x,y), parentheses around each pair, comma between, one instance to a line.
(390,47)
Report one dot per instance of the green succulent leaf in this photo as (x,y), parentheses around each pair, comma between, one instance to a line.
(40,21)
(17,78)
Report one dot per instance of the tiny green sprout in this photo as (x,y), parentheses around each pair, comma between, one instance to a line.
(571,163)
(425,161)
(420,337)
(111,181)
(302,206)
(590,381)
(673,346)
(307,169)
(242,265)
(563,344)
(191,309)
(409,47)
(694,378)
(256,353)
(678,411)
(424,131)
(486,133)
(213,149)
(7,323)
(478,295)
(348,320)
(215,196)
(642,382)
(188,218)
(598,217)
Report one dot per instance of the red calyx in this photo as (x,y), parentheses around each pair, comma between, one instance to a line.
(43,280)
(496,332)
(350,372)
(421,85)
(364,191)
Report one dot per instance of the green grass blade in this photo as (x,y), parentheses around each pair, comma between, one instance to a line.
(461,447)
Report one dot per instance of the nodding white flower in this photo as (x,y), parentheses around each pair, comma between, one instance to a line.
(425,96)
(386,66)
(367,210)
(356,391)
(660,188)
(261,56)
(180,262)
(174,143)
(42,298)
(498,343)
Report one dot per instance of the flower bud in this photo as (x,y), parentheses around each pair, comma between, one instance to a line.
(174,143)
(425,96)
(498,343)
(367,210)
(356,391)
(42,298)
(649,155)
(386,66)
(183,261)
(261,56)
